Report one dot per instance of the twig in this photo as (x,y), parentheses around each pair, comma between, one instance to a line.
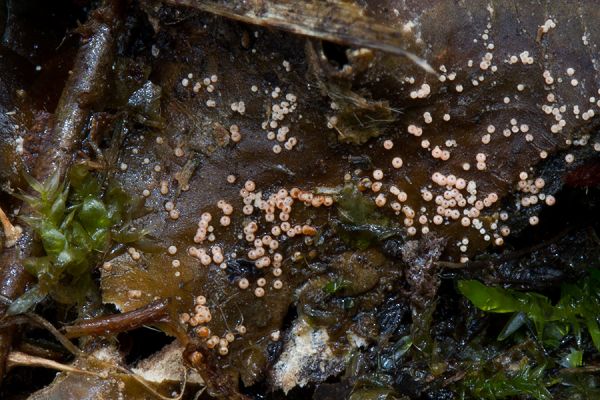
(579,370)
(335,21)
(56,333)
(30,318)
(44,350)
(16,358)
(24,359)
(83,90)
(106,325)
(13,279)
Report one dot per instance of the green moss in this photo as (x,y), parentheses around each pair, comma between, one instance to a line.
(358,118)
(578,307)
(335,286)
(573,359)
(579,387)
(77,225)
(501,385)
(360,224)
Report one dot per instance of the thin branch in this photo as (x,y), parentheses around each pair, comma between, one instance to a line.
(107,325)
(19,358)
(40,349)
(579,370)
(56,333)
(31,318)
(16,358)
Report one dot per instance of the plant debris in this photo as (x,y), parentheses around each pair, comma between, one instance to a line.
(255,200)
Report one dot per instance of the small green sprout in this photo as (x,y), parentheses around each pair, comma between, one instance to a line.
(78,224)
(335,286)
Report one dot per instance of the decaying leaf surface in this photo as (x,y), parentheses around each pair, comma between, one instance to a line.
(306,357)
(166,366)
(308,190)
(103,380)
